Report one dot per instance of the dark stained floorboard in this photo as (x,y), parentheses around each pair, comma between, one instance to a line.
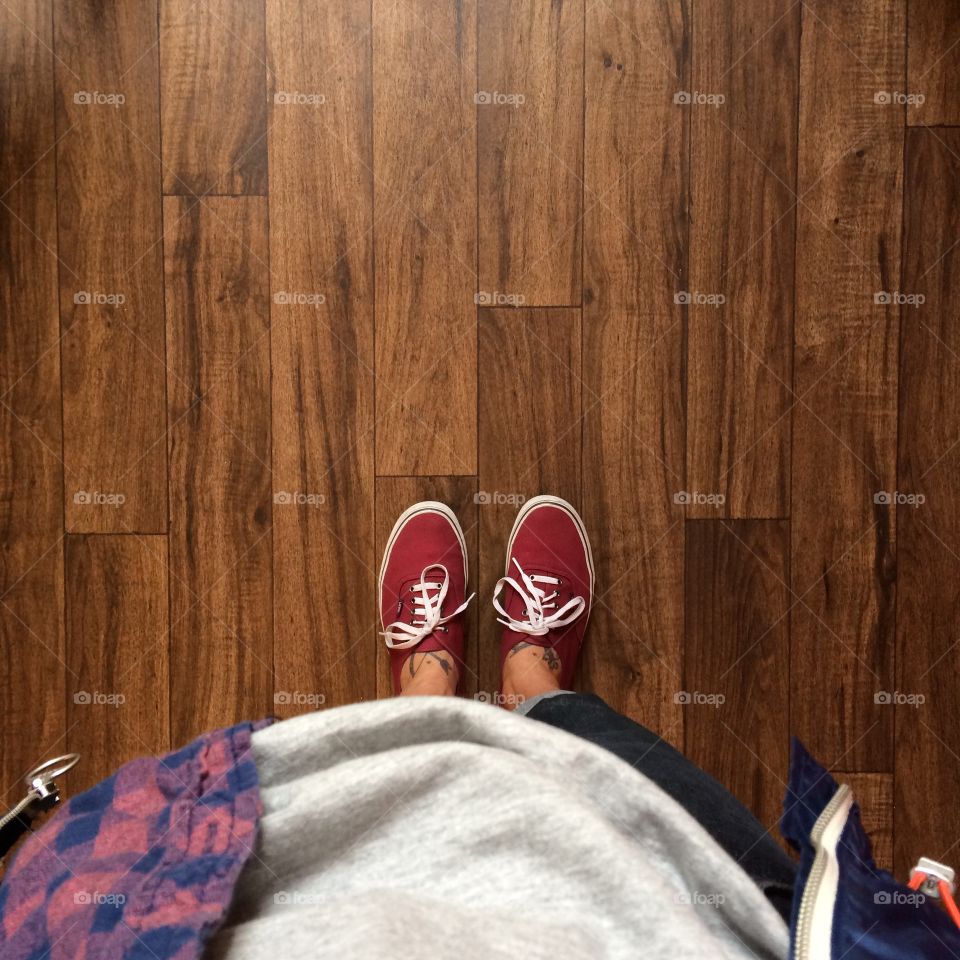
(321,352)
(211,56)
(635,237)
(530,141)
(118,689)
(743,156)
(111,266)
(32,675)
(927,653)
(221,503)
(736,696)
(843,551)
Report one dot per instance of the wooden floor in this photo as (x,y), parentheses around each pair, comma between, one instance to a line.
(271,271)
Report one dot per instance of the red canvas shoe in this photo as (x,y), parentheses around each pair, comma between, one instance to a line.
(423,582)
(548,582)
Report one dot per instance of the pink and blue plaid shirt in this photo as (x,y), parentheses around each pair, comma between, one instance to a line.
(142,865)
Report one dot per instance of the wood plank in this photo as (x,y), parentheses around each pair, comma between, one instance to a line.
(530,403)
(32,681)
(322,354)
(218,317)
(394,495)
(118,695)
(530,146)
(845,423)
(933,63)
(873,793)
(743,177)
(212,74)
(736,721)
(634,258)
(928,655)
(111,286)
(425,203)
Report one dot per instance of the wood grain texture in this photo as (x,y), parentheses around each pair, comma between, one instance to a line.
(111,274)
(322,354)
(329,354)
(844,427)
(221,630)
(633,431)
(873,793)
(118,694)
(425,204)
(530,401)
(212,69)
(530,150)
(928,655)
(394,495)
(737,645)
(742,193)
(31,473)
(933,62)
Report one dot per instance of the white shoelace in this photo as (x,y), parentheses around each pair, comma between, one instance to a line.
(537,602)
(427,611)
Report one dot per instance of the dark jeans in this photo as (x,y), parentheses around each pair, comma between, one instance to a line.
(724,817)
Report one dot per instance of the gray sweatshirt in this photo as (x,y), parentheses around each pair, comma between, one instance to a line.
(440,827)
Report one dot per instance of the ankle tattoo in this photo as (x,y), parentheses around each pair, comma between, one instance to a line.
(416,664)
(549,655)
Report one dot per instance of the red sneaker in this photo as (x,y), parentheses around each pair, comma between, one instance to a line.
(423,580)
(549,574)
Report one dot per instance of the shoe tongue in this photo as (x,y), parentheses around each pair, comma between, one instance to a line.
(407,596)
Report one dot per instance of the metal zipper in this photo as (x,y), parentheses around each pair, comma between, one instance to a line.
(812,889)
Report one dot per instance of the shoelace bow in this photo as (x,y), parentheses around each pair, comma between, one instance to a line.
(537,602)
(427,611)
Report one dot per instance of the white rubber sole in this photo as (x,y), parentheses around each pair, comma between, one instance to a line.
(425,506)
(548,500)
